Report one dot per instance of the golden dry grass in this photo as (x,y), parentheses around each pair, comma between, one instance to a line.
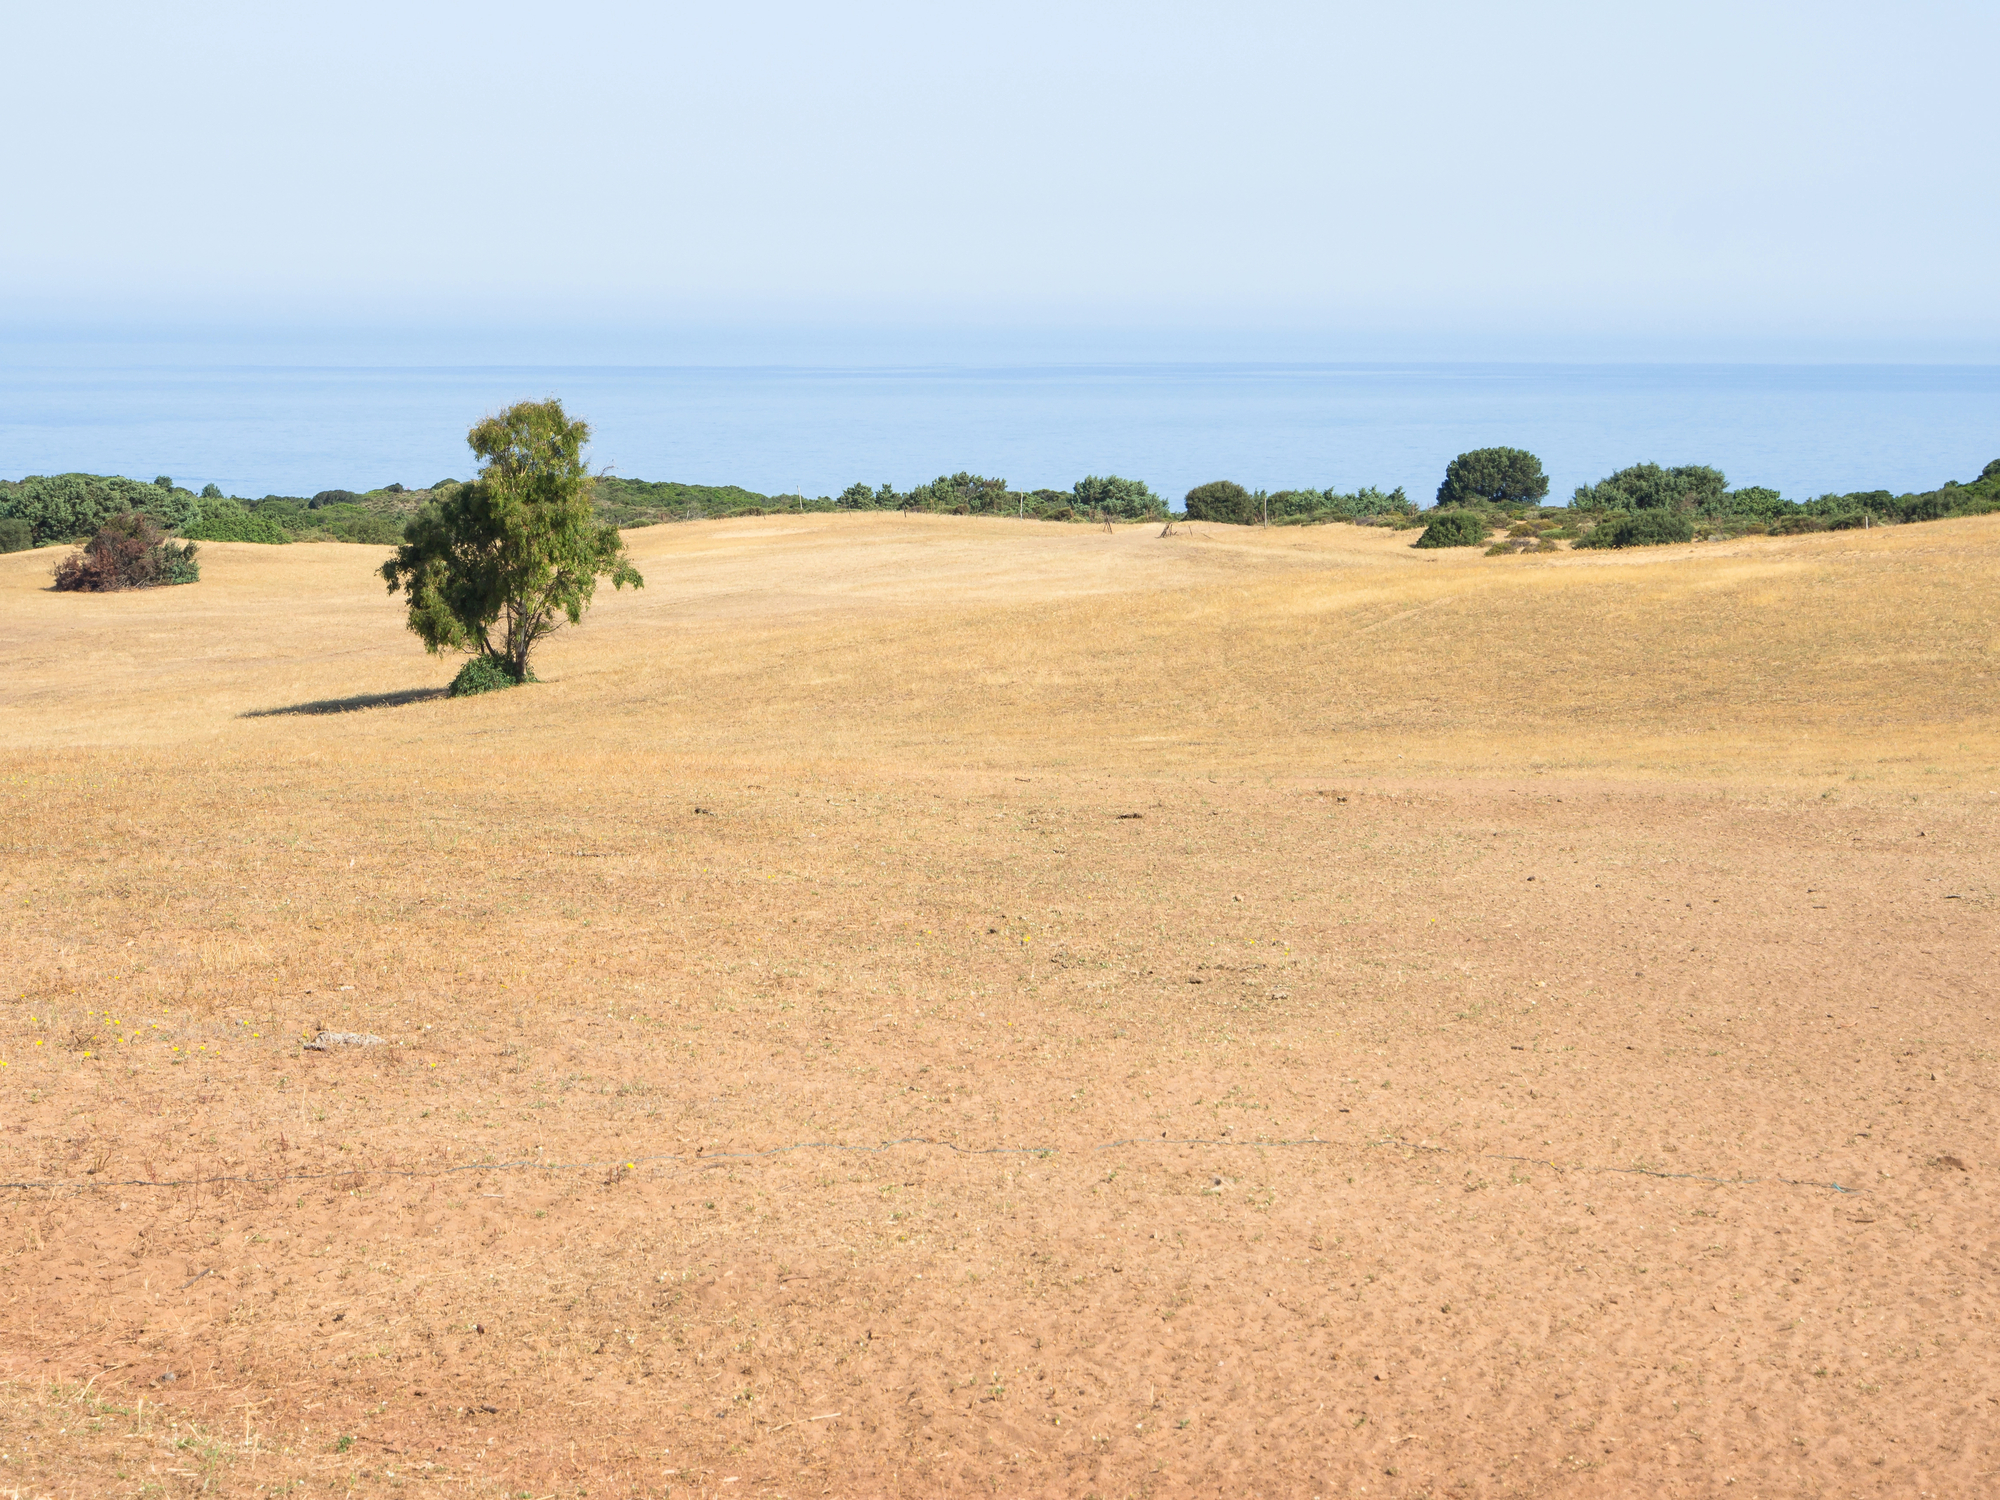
(1500,883)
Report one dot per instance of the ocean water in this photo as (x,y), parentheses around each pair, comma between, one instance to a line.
(255,430)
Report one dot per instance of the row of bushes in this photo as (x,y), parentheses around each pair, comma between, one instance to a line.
(45,509)
(1643,505)
(1703,493)
(1226,501)
(1647,506)
(964,494)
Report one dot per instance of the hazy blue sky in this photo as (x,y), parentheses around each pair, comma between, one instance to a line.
(646,181)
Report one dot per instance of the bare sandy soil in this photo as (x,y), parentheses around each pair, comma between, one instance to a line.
(920,1006)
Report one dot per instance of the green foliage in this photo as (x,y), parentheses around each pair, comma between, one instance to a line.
(484,674)
(334,497)
(228,521)
(16,535)
(1650,487)
(1121,499)
(129,551)
(1646,528)
(1222,500)
(968,494)
(211,491)
(59,507)
(639,502)
(1752,502)
(1498,476)
(493,566)
(962,494)
(1455,528)
(1313,507)
(1226,501)
(353,523)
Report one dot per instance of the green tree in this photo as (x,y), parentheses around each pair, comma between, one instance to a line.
(1498,476)
(493,567)
(1221,500)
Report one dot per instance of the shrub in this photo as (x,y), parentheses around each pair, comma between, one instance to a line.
(333,497)
(1503,476)
(1648,528)
(353,523)
(1752,500)
(1125,499)
(227,521)
(485,674)
(128,552)
(1454,528)
(1312,507)
(60,506)
(1650,487)
(16,535)
(1793,525)
(1221,500)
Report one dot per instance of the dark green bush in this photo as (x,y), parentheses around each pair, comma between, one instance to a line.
(16,535)
(334,497)
(348,523)
(485,674)
(1121,499)
(1650,487)
(1753,500)
(1502,476)
(228,521)
(58,507)
(1455,528)
(1794,525)
(1649,528)
(1222,500)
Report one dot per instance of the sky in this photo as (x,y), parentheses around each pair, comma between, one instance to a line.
(610,182)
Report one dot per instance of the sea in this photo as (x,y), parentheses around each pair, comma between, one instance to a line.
(253,430)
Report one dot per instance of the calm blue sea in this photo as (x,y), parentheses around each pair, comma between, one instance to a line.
(1801,429)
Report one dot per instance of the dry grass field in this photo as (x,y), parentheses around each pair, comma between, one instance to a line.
(917,1006)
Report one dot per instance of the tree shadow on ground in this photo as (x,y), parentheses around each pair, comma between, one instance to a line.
(348,705)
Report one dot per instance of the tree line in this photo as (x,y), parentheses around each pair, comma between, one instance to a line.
(1649,504)
(1483,490)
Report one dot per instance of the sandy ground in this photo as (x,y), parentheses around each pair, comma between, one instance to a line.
(918,1006)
